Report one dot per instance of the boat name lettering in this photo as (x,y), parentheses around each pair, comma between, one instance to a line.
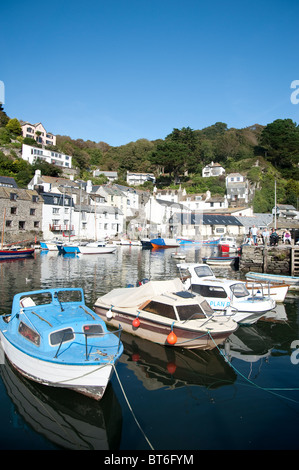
(219,303)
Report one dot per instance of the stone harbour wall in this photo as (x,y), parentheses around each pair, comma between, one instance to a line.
(269,259)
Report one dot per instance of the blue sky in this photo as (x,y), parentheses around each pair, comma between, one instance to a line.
(121,70)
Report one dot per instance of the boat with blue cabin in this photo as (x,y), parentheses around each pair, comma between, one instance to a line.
(53,338)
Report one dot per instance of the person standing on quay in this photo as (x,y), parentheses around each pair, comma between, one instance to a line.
(253,232)
(266,235)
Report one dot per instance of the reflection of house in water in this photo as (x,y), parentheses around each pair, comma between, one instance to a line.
(67,419)
(158,366)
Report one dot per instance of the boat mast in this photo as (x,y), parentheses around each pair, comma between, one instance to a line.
(275,210)
(2,240)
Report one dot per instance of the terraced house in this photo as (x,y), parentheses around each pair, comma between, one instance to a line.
(22,214)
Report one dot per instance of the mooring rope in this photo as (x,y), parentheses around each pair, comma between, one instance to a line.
(270,390)
(130,408)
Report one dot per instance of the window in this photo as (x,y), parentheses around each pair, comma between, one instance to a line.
(158,308)
(34,198)
(61,336)
(32,211)
(93,330)
(8,223)
(29,334)
(13,210)
(21,225)
(239,290)
(209,291)
(55,210)
(36,224)
(187,311)
(13,196)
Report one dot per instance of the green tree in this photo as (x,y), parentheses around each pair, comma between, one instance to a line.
(14,126)
(3,117)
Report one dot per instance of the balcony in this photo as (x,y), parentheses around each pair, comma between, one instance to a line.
(61,227)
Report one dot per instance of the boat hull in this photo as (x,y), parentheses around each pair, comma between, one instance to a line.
(88,250)
(16,254)
(89,379)
(220,261)
(158,332)
(276,292)
(291,281)
(164,243)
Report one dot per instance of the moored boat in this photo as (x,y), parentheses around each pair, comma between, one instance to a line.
(224,294)
(220,260)
(53,338)
(16,253)
(197,271)
(164,243)
(227,245)
(291,281)
(164,313)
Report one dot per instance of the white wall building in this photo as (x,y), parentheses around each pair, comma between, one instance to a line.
(213,169)
(31,154)
(135,179)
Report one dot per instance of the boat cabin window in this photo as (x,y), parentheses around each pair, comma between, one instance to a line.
(93,330)
(209,291)
(29,334)
(159,308)
(61,336)
(239,290)
(202,271)
(187,311)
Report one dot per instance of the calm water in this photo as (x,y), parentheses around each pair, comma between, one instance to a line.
(183,400)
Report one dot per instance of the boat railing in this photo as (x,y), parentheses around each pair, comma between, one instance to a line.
(259,286)
(105,333)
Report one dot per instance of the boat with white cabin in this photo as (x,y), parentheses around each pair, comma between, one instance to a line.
(229,296)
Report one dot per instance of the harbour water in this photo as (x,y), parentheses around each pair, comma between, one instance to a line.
(243,396)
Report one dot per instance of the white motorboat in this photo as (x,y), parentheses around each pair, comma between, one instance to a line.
(276,291)
(96,248)
(227,245)
(230,296)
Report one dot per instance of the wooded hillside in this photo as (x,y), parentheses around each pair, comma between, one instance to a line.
(262,153)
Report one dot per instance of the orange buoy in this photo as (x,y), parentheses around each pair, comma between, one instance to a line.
(136,322)
(172,338)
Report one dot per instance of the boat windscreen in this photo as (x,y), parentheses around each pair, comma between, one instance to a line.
(202,271)
(185,312)
(239,290)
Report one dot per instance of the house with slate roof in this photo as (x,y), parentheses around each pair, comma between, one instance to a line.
(200,226)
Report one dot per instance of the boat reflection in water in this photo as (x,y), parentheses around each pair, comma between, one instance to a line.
(67,419)
(157,366)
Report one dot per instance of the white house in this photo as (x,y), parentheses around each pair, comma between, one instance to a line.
(212,169)
(38,133)
(31,154)
(237,188)
(57,215)
(97,222)
(135,179)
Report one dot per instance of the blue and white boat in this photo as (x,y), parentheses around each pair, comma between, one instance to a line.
(53,338)
(50,245)
(92,248)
